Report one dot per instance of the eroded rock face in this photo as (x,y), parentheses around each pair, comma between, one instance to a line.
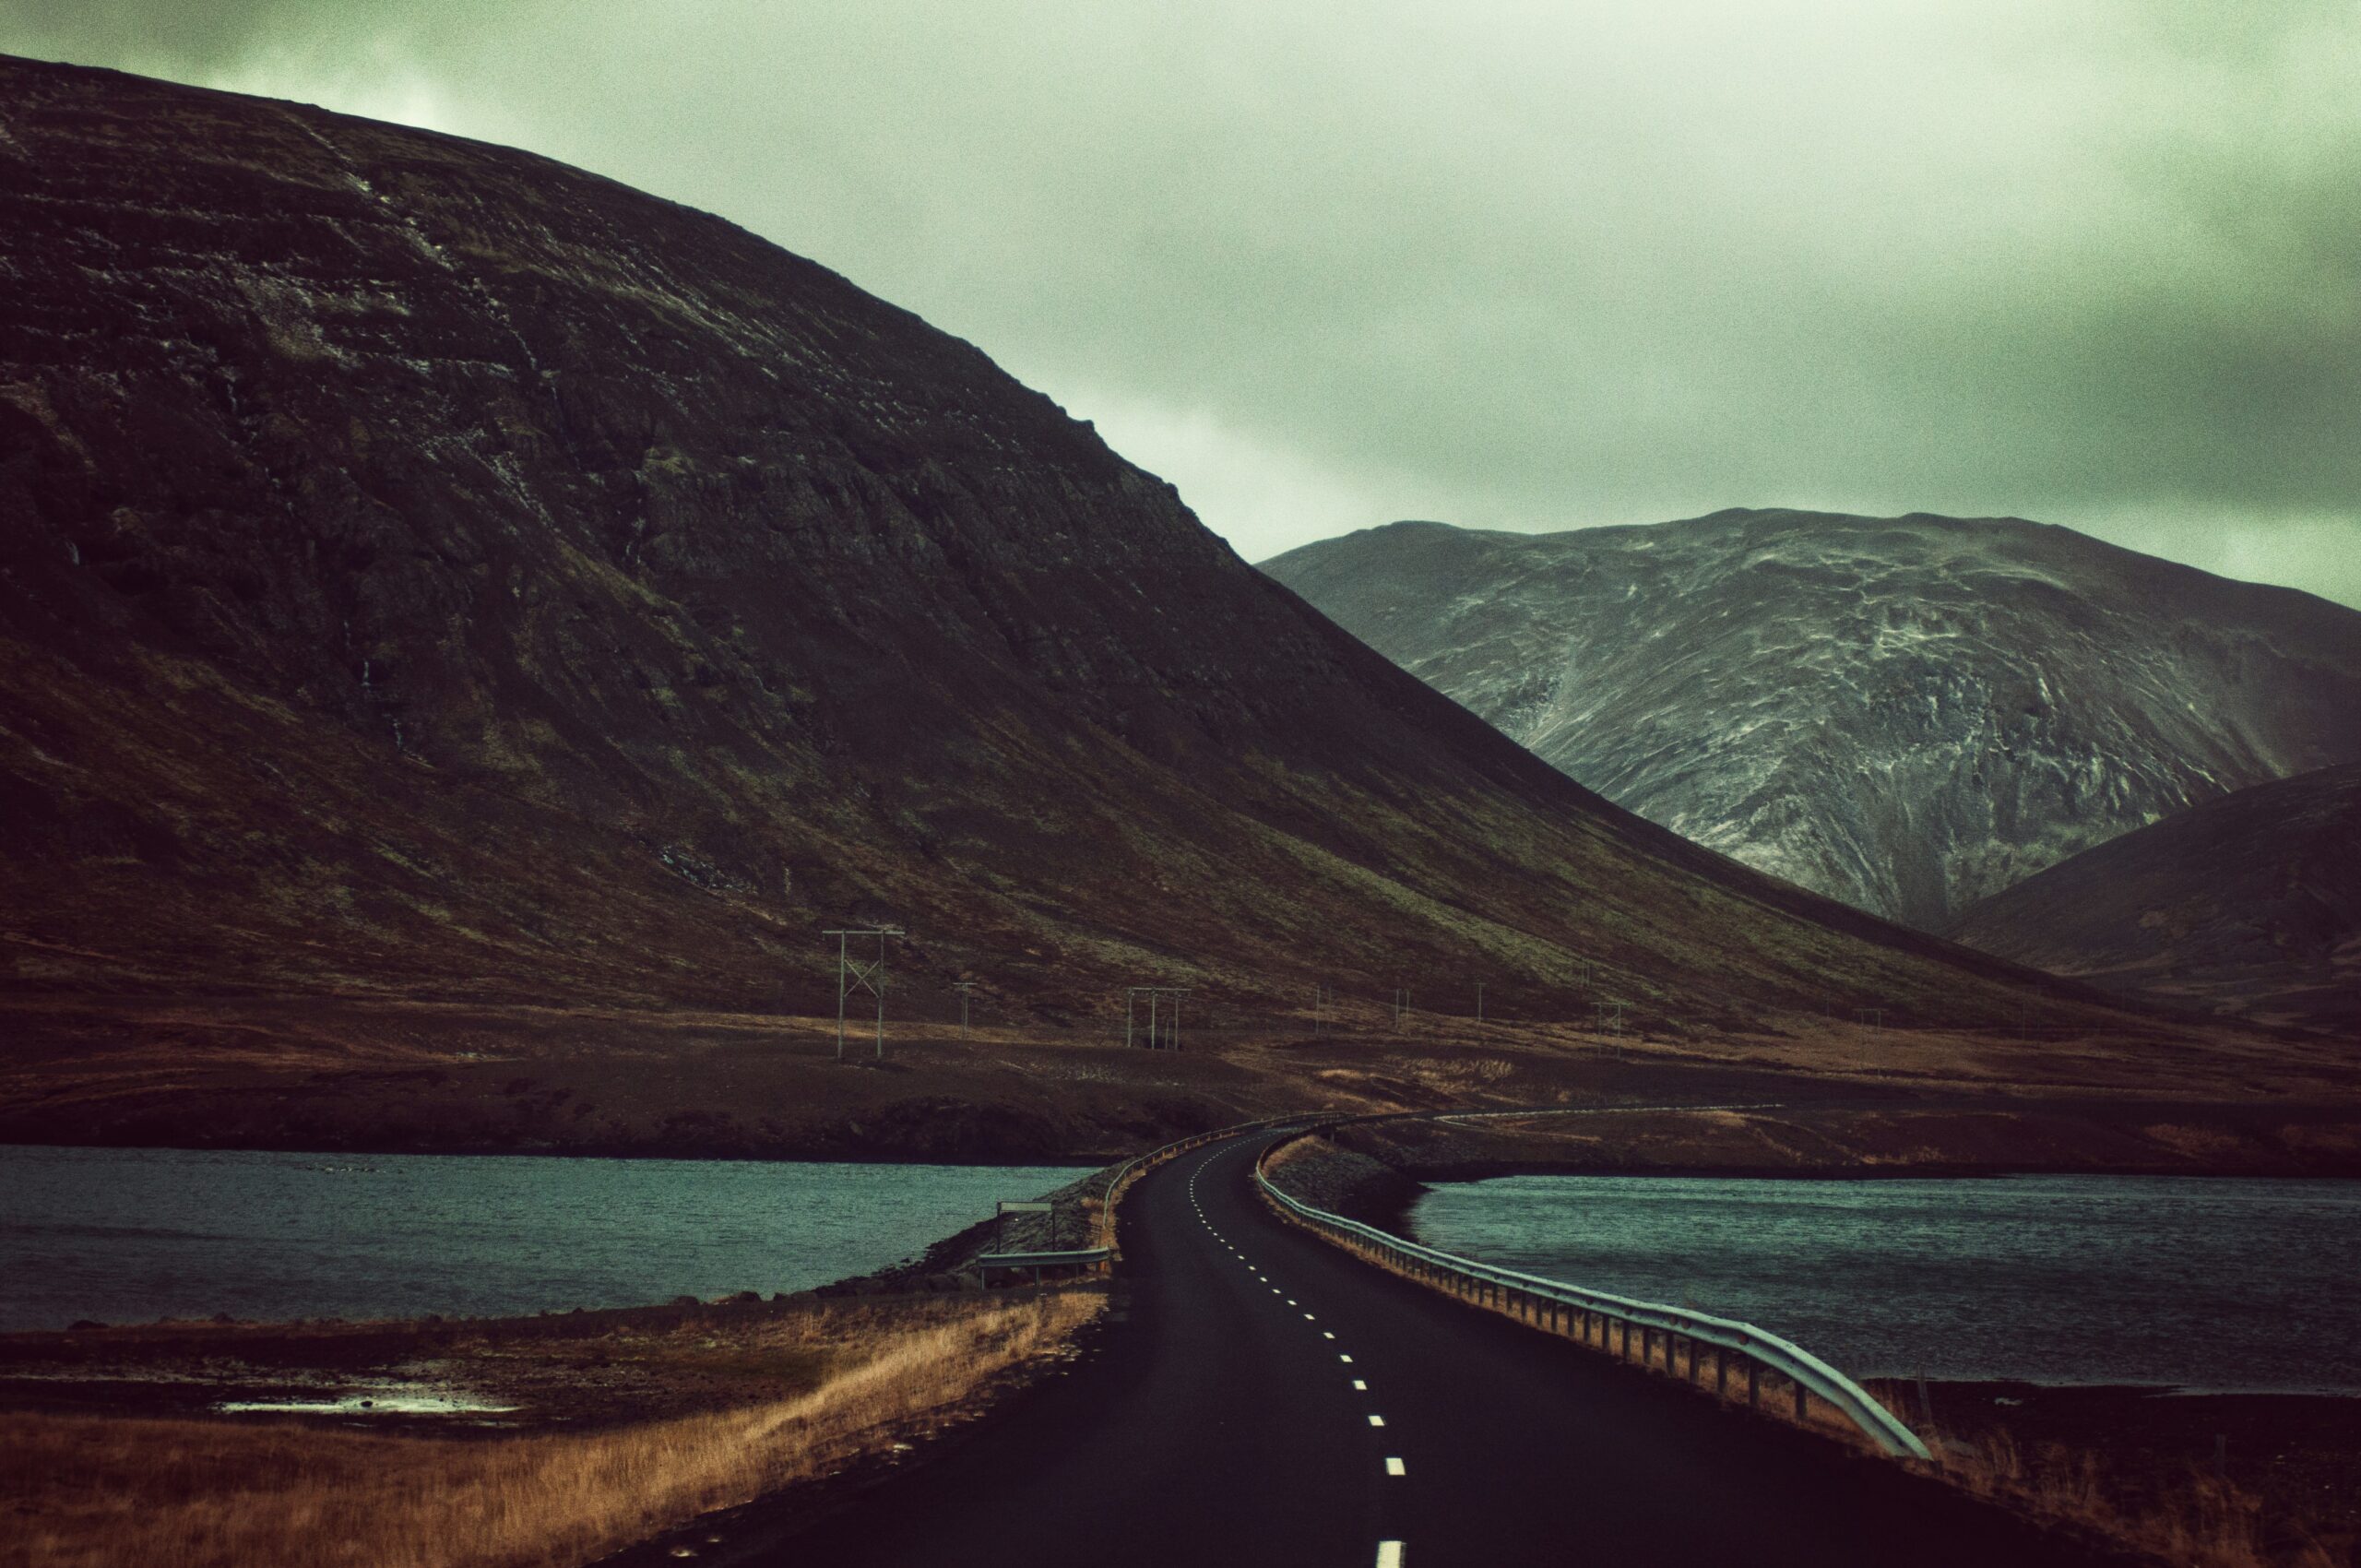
(1908,714)
(429,570)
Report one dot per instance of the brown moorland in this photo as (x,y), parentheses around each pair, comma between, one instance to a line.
(628,1424)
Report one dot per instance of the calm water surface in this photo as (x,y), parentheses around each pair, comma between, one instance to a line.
(130,1235)
(2201,1283)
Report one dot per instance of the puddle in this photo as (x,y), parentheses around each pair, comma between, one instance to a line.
(371,1402)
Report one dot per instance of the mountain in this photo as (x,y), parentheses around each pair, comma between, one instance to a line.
(454,604)
(1908,714)
(2249,905)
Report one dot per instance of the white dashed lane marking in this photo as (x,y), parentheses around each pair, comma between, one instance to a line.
(1389,1552)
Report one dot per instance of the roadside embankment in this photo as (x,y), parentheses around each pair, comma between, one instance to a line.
(2220,1480)
(530,1443)
(1326,1174)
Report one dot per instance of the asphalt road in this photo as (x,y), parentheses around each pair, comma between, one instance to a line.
(1268,1399)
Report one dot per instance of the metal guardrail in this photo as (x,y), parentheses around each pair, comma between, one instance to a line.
(1139,1163)
(1078,1257)
(1599,1313)
(1103,1255)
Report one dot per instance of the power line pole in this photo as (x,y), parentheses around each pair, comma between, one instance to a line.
(857,974)
(963,988)
(1156,1033)
(1480,1002)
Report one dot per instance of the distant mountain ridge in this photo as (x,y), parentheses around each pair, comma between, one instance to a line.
(1908,714)
(2248,905)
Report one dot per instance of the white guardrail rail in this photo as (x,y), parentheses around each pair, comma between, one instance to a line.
(1599,1316)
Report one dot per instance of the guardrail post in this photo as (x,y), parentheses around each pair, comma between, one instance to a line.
(1803,1400)
(1753,1383)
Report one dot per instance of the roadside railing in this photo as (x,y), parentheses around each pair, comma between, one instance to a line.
(1103,1255)
(1089,1258)
(1607,1323)
(1140,1164)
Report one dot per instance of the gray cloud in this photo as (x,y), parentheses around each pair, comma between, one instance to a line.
(1517,265)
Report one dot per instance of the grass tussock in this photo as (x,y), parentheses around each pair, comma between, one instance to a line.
(99,1492)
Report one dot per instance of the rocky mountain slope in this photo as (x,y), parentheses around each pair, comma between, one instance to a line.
(1907,713)
(2249,905)
(437,577)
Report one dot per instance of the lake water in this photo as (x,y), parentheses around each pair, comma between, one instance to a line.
(130,1235)
(2217,1284)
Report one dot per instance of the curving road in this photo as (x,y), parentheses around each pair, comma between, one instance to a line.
(1267,1399)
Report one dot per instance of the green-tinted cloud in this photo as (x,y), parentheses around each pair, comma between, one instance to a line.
(1522,265)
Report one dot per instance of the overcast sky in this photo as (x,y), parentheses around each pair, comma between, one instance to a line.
(1527,266)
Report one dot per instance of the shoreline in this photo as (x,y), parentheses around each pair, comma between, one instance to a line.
(2134,1446)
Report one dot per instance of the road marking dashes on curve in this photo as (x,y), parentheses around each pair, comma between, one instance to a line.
(1359,1387)
(1393,1466)
(1389,1554)
(1375,1419)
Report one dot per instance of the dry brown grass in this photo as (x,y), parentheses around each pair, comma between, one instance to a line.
(2201,1520)
(100,1491)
